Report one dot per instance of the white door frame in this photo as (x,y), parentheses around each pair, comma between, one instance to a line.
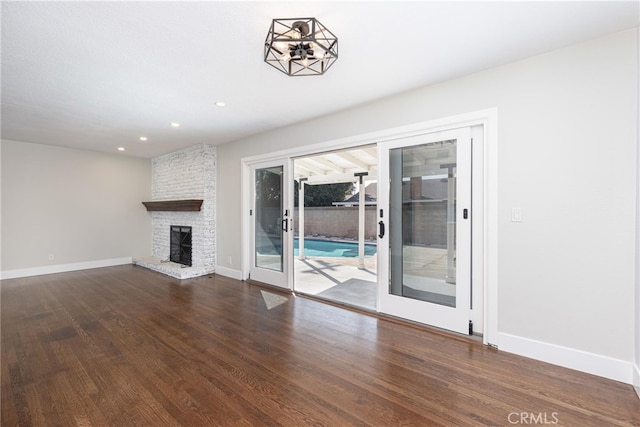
(477,228)
(262,274)
(283,279)
(488,119)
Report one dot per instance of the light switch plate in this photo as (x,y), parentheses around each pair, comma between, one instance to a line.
(516,214)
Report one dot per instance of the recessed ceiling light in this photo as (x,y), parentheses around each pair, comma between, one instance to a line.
(120,148)
(220,104)
(143,138)
(175,125)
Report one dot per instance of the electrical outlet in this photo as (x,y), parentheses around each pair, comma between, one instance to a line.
(229,260)
(51,257)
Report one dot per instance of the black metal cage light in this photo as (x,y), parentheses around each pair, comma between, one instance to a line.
(300,47)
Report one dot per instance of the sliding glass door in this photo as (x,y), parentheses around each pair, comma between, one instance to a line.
(425,229)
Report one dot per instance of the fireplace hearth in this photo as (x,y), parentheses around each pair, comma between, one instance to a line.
(180,245)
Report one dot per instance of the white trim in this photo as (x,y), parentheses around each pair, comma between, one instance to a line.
(245,230)
(62,268)
(477,229)
(490,226)
(228,272)
(636,379)
(603,366)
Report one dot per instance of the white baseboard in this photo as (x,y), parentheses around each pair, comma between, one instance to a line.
(229,272)
(603,366)
(61,268)
(636,379)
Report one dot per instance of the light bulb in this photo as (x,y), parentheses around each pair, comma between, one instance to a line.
(285,57)
(305,62)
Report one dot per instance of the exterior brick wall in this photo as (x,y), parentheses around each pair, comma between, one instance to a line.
(186,174)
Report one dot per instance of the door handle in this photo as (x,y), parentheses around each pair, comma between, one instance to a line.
(381,224)
(285,224)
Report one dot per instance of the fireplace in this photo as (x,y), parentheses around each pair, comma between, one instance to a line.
(180,245)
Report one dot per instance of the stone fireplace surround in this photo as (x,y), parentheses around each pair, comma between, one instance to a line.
(182,175)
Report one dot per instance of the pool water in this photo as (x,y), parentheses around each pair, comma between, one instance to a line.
(332,249)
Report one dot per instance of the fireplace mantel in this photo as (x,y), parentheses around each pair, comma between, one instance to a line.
(174,205)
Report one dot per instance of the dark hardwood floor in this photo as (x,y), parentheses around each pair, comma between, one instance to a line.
(125,346)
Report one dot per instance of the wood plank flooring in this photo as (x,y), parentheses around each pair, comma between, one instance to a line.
(125,346)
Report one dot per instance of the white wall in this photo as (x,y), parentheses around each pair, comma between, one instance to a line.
(567,156)
(80,206)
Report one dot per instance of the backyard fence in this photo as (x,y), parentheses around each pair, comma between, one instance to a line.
(425,223)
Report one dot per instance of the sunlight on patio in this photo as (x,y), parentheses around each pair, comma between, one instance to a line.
(340,280)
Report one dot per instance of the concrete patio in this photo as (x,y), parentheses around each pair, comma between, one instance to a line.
(340,280)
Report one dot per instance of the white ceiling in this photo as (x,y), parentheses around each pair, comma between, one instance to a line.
(98,75)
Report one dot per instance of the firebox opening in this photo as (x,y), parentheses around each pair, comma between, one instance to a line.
(180,248)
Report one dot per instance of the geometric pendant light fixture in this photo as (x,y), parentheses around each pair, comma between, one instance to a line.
(300,47)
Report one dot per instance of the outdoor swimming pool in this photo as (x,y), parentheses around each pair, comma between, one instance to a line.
(332,249)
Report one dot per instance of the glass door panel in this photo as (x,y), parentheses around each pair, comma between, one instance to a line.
(268,218)
(423,222)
